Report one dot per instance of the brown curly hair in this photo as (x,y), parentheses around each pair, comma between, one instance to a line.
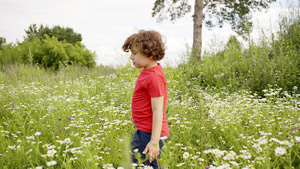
(148,43)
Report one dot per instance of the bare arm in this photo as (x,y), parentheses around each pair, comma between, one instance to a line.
(157,104)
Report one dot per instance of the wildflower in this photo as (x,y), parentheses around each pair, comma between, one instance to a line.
(29,151)
(69,118)
(50,163)
(293,128)
(136,150)
(147,167)
(263,141)
(108,166)
(259,149)
(181,164)
(163,138)
(211,113)
(59,118)
(50,147)
(30,137)
(39,167)
(67,141)
(59,129)
(12,147)
(201,159)
(246,156)
(51,153)
(230,156)
(280,151)
(234,163)
(186,155)
(60,141)
(38,133)
(259,158)
(286,143)
(275,139)
(207,167)
(248,167)
(255,145)
(297,139)
(73,159)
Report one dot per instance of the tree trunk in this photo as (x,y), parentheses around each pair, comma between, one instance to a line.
(197,39)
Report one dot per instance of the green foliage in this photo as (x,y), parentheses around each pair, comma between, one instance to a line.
(270,62)
(288,36)
(60,33)
(2,42)
(236,13)
(9,55)
(81,118)
(177,9)
(51,53)
(48,52)
(235,69)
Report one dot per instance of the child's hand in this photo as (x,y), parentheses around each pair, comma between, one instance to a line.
(153,149)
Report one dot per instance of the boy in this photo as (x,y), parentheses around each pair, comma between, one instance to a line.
(149,98)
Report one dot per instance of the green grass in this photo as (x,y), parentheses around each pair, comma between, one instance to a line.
(236,108)
(84,116)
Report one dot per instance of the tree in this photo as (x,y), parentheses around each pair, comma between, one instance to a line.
(60,33)
(2,42)
(214,12)
(52,53)
(233,42)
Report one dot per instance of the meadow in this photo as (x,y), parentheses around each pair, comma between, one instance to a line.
(80,118)
(234,108)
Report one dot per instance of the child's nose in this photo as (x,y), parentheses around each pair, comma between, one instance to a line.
(131,57)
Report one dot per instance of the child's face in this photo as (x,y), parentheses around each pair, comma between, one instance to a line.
(140,60)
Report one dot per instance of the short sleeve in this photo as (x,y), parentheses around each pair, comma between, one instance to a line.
(156,86)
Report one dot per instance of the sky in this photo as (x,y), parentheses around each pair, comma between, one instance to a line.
(105,25)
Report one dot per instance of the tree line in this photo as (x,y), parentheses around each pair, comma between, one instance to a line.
(47,47)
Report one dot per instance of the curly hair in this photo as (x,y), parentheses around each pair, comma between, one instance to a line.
(149,43)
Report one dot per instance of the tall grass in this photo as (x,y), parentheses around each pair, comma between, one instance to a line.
(237,108)
(83,120)
(272,61)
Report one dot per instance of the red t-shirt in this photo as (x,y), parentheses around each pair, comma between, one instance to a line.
(150,83)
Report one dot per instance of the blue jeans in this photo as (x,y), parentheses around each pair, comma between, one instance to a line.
(140,141)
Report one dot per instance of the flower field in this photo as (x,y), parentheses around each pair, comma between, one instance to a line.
(63,121)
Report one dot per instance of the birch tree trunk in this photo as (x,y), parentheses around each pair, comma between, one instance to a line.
(198,16)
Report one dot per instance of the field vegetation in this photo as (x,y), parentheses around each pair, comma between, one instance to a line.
(235,108)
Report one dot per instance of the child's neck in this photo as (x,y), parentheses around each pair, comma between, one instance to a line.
(151,65)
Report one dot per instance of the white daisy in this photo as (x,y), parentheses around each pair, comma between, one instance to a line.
(280,151)
(286,143)
(181,164)
(60,141)
(51,153)
(297,139)
(186,155)
(259,149)
(67,141)
(50,163)
(38,133)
